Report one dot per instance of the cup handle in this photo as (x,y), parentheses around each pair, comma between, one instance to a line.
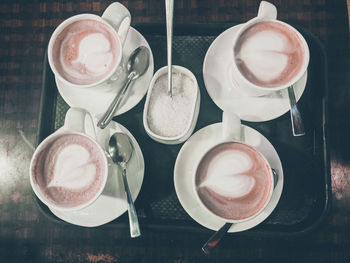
(78,120)
(119,17)
(267,10)
(231,126)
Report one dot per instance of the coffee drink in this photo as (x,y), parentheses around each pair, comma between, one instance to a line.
(70,170)
(233,180)
(86,51)
(269,54)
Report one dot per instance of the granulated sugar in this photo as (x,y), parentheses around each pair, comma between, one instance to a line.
(170,116)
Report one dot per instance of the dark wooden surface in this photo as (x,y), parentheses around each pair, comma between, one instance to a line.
(28,236)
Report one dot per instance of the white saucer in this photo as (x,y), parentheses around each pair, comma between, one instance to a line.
(112,203)
(216,67)
(190,154)
(97,102)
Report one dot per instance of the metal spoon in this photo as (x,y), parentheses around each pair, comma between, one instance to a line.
(120,150)
(137,65)
(169,8)
(215,238)
(297,121)
(218,235)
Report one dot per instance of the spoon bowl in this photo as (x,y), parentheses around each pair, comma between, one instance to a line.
(138,62)
(119,148)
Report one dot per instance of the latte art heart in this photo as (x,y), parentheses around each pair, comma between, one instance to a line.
(265,54)
(233,181)
(234,186)
(269,54)
(86,51)
(94,56)
(70,170)
(226,174)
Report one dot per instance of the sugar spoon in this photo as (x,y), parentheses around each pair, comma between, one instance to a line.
(169,8)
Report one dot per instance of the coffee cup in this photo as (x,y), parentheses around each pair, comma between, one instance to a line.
(69,169)
(268,55)
(233,181)
(85,51)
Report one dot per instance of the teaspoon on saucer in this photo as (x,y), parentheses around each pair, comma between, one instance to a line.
(218,235)
(215,238)
(136,66)
(297,121)
(120,150)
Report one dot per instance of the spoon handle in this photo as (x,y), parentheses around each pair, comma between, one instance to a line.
(297,121)
(107,117)
(133,220)
(215,238)
(169,6)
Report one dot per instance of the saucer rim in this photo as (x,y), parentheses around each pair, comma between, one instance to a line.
(239,226)
(115,126)
(302,80)
(122,109)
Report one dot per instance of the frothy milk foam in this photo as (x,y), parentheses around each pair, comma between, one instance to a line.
(269,54)
(233,181)
(70,170)
(85,51)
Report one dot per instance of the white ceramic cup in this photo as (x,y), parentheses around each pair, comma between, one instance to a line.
(267,12)
(231,133)
(117,18)
(77,121)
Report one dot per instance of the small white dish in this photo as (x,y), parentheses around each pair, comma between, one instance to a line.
(112,202)
(97,102)
(193,150)
(219,84)
(194,112)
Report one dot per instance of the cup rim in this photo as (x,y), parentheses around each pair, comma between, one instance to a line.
(296,77)
(159,73)
(61,27)
(203,206)
(37,189)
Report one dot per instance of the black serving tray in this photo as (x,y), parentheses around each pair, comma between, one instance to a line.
(305,199)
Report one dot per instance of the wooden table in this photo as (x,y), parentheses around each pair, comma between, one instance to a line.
(27,236)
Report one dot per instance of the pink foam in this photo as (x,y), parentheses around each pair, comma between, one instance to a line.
(85,52)
(234,206)
(45,169)
(269,54)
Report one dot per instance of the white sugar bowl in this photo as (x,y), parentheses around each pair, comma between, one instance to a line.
(171,120)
